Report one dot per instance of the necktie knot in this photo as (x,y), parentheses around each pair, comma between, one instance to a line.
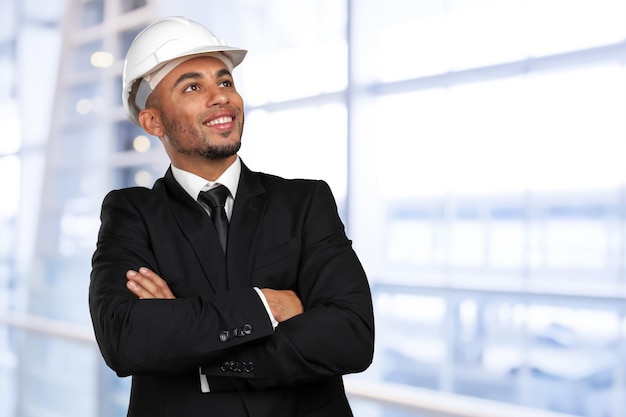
(215,197)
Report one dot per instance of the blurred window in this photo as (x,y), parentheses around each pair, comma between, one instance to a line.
(91,12)
(130,5)
(493,136)
(476,149)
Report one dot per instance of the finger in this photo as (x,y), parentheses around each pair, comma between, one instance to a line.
(146,281)
(156,285)
(141,286)
(148,284)
(138,290)
(137,285)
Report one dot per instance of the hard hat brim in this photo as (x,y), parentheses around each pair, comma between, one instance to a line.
(235,55)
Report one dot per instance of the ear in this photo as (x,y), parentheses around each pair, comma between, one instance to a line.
(150,120)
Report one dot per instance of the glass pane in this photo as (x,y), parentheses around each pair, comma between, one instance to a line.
(503,179)
(125,38)
(577,234)
(8,372)
(550,30)
(82,142)
(415,236)
(10,190)
(84,99)
(131,137)
(39,382)
(485,32)
(276,142)
(297,49)
(84,53)
(411,340)
(11,123)
(506,242)
(480,129)
(488,345)
(92,13)
(415,39)
(7,71)
(579,111)
(130,5)
(140,175)
(572,358)
(79,223)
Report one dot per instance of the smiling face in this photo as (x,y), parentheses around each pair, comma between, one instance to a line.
(197,113)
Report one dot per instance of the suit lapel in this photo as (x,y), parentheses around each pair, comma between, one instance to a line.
(248,211)
(197,228)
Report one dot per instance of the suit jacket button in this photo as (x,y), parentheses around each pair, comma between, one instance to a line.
(248,367)
(247,329)
(224,336)
(225,367)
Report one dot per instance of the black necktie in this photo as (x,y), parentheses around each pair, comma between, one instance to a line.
(215,198)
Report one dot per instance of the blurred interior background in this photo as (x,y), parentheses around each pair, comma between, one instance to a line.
(476,148)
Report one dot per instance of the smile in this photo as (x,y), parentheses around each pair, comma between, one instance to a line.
(220,121)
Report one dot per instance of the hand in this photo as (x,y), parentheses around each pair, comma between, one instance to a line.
(284,304)
(147,284)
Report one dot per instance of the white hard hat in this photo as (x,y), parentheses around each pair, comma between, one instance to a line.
(165,40)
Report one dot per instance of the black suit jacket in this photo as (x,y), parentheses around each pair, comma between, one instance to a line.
(284,234)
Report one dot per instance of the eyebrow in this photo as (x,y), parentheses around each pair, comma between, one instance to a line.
(194,75)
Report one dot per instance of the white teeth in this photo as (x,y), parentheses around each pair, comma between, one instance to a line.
(220,120)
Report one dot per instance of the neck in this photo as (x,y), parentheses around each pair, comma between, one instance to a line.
(209,169)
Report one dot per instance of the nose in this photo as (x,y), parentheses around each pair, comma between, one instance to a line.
(217,96)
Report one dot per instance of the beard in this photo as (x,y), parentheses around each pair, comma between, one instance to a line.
(199,143)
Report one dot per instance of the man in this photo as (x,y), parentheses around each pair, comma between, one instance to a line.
(259,314)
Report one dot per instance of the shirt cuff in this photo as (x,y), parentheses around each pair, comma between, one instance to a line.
(204,382)
(267,307)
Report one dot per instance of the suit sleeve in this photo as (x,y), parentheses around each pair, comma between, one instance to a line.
(335,334)
(158,336)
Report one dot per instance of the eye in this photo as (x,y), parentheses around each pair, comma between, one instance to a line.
(191,87)
(227,83)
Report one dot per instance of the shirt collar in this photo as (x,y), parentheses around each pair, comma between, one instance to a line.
(193,183)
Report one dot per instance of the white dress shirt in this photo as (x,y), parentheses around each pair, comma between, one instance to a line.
(195,184)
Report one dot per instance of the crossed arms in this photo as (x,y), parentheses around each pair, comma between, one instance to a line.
(153,314)
(146,284)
